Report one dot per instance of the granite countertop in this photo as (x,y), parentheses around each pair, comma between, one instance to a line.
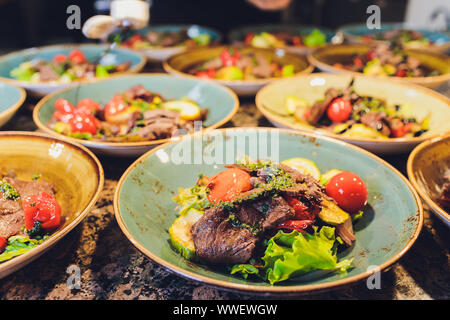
(112,268)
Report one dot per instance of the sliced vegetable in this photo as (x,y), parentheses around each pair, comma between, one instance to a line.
(180,233)
(229,73)
(325,178)
(188,110)
(331,213)
(18,245)
(293,103)
(303,165)
(226,185)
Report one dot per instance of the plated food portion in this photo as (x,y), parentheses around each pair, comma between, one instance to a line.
(158,43)
(429,172)
(405,35)
(381,115)
(266,219)
(136,114)
(419,67)
(130,114)
(41,197)
(243,69)
(293,38)
(11,98)
(287,223)
(46,69)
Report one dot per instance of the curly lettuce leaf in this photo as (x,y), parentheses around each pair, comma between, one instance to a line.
(244,270)
(18,245)
(289,255)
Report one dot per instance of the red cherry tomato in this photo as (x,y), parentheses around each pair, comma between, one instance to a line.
(63,117)
(115,106)
(229,59)
(299,225)
(60,58)
(371,55)
(3,243)
(44,208)
(63,106)
(228,184)
(339,110)
(209,74)
(358,62)
(348,190)
(401,129)
(88,105)
(400,73)
(249,38)
(77,56)
(84,122)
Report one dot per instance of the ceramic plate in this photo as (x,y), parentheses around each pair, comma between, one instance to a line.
(271,99)
(11,98)
(145,210)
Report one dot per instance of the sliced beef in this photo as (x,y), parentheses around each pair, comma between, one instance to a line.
(46,73)
(377,121)
(345,232)
(318,109)
(275,210)
(217,241)
(139,92)
(28,188)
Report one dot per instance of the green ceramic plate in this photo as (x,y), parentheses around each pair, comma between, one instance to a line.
(221,102)
(11,98)
(144,208)
(271,99)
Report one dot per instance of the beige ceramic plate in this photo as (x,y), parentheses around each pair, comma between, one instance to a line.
(75,172)
(178,64)
(271,99)
(325,58)
(427,164)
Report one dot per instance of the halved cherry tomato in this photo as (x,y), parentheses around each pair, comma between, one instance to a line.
(115,106)
(339,110)
(44,208)
(3,243)
(228,184)
(63,117)
(84,122)
(358,62)
(400,73)
(301,211)
(64,106)
(88,105)
(229,59)
(249,38)
(299,225)
(77,56)
(60,58)
(348,190)
(206,74)
(401,129)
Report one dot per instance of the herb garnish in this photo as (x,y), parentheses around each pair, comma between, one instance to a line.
(9,192)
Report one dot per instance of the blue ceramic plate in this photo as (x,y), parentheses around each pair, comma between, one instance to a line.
(145,210)
(91,51)
(159,54)
(11,98)
(221,102)
(354,34)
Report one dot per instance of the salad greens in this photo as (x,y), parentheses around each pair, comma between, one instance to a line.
(18,245)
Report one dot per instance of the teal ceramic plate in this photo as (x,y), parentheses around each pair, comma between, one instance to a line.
(11,98)
(355,33)
(160,54)
(91,51)
(221,102)
(144,208)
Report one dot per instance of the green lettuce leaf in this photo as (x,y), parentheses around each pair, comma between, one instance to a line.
(294,254)
(18,245)
(191,198)
(244,270)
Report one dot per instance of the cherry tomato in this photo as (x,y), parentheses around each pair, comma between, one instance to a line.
(63,117)
(229,59)
(249,38)
(209,74)
(228,184)
(400,73)
(339,110)
(297,41)
(358,62)
(88,105)
(348,190)
(401,129)
(299,225)
(115,106)
(367,38)
(44,208)
(301,211)
(84,122)
(60,58)
(77,56)
(63,106)
(3,243)
(371,55)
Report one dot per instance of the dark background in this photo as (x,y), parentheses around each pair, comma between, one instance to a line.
(26,23)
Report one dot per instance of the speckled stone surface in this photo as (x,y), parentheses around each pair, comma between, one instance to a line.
(111,268)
